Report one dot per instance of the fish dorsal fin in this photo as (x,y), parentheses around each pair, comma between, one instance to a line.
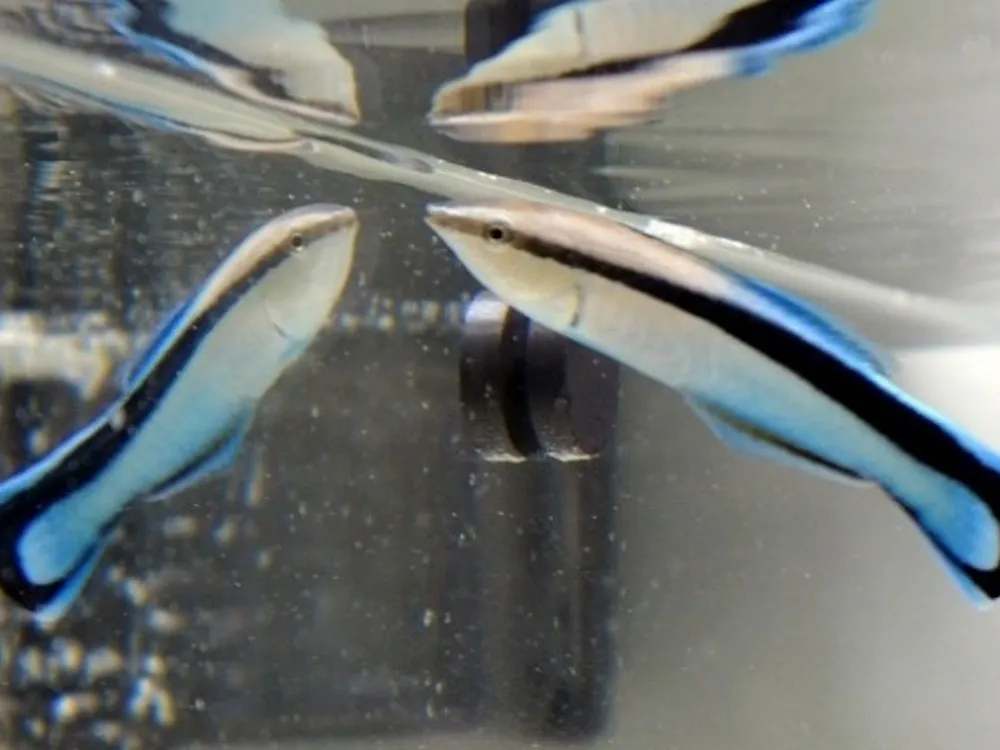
(824,330)
(743,437)
(135,367)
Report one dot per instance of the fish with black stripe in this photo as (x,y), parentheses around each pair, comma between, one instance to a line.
(187,403)
(590,65)
(770,376)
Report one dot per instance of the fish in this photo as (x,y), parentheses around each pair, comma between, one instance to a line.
(770,375)
(250,48)
(187,403)
(51,97)
(591,65)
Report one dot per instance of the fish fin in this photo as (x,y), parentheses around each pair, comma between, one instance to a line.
(218,458)
(792,312)
(46,568)
(960,577)
(827,23)
(134,366)
(749,439)
(961,523)
(66,592)
(967,542)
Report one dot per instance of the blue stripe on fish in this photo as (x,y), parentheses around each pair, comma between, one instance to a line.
(145,26)
(75,470)
(762,33)
(808,321)
(161,335)
(188,405)
(959,511)
(759,35)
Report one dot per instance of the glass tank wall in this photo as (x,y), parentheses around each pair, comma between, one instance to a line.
(448,527)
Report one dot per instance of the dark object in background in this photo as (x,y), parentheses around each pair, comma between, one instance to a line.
(529,393)
(539,415)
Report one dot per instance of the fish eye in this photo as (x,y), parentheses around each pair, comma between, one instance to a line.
(297,241)
(499,233)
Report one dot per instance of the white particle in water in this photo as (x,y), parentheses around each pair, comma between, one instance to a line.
(265,559)
(165,621)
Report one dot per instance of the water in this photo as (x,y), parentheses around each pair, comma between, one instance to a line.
(363,578)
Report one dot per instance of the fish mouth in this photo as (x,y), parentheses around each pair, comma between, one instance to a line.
(333,216)
(515,127)
(341,217)
(448,217)
(467,220)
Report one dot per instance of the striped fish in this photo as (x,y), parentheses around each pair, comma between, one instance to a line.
(769,375)
(590,65)
(250,48)
(187,403)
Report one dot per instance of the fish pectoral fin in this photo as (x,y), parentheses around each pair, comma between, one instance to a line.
(750,439)
(218,458)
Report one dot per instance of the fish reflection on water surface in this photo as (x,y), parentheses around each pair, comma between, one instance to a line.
(249,48)
(149,98)
(770,376)
(187,403)
(590,65)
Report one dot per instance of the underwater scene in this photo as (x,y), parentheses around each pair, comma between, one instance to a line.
(499,374)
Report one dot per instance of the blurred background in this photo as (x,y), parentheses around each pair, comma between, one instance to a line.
(364,579)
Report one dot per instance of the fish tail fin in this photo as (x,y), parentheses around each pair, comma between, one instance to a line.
(816,29)
(958,573)
(69,589)
(964,530)
(46,563)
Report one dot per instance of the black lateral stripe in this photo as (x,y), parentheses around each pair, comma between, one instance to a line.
(86,463)
(764,20)
(912,432)
(150,22)
(767,19)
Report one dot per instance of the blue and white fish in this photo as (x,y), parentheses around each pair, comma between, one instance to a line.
(769,375)
(186,405)
(250,48)
(589,65)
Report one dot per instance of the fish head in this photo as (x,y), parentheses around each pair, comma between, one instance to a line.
(512,249)
(313,253)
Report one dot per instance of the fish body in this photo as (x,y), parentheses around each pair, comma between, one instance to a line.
(61,99)
(187,403)
(249,48)
(770,376)
(594,64)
